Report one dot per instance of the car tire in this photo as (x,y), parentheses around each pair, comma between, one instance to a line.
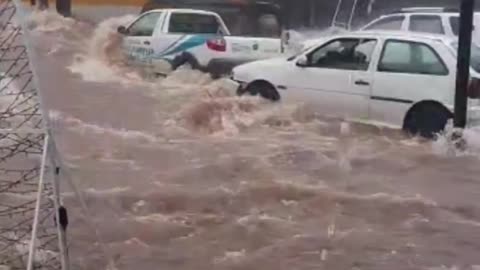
(264,89)
(427,120)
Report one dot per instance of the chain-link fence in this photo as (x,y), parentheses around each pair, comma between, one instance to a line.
(22,141)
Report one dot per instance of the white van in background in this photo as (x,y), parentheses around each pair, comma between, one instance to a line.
(441,21)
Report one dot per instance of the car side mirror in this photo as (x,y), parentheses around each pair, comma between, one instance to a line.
(302,61)
(122,30)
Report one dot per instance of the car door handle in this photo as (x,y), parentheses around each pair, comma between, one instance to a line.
(361,82)
(146,42)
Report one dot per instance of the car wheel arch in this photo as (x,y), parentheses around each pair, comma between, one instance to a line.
(264,82)
(426,102)
(422,104)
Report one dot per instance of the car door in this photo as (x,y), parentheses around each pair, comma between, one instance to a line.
(337,77)
(139,39)
(408,72)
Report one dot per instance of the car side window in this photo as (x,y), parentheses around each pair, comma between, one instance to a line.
(411,57)
(348,53)
(193,23)
(145,25)
(426,24)
(388,23)
(455,24)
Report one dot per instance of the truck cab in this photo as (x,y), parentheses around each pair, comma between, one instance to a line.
(242,17)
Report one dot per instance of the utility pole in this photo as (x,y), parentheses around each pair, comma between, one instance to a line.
(64,7)
(463,62)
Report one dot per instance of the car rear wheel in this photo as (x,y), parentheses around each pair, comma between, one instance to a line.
(264,89)
(427,120)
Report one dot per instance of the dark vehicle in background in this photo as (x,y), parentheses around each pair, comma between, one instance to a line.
(243,17)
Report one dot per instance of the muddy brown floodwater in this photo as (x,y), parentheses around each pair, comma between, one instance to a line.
(180,174)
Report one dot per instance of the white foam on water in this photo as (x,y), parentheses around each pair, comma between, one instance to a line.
(99,192)
(102,59)
(444,145)
(153,218)
(231,257)
(83,127)
(111,191)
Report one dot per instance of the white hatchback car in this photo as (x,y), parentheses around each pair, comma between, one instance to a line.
(396,78)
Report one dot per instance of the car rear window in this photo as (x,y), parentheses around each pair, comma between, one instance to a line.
(191,23)
(426,24)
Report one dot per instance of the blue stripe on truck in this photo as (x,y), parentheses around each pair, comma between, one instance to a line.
(189,43)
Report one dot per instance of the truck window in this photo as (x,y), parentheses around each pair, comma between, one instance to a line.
(426,24)
(191,23)
(388,23)
(145,25)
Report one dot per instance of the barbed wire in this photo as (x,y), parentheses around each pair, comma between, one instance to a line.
(21,143)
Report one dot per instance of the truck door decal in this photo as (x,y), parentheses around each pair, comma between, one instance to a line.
(180,46)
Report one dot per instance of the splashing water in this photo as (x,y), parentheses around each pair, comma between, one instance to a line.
(102,59)
(224,182)
(468,144)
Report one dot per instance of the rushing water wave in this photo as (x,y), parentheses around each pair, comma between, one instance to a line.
(179,173)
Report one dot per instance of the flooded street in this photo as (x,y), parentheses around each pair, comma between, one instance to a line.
(178,173)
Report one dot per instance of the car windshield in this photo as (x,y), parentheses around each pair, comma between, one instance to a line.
(303,50)
(474,58)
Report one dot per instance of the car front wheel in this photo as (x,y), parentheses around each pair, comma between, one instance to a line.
(264,89)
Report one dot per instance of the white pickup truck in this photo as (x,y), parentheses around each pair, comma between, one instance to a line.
(162,40)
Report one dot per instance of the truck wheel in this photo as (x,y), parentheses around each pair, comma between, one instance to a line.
(185,59)
(265,89)
(426,119)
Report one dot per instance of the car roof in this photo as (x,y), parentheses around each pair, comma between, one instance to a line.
(183,10)
(439,13)
(405,35)
(402,34)
(398,34)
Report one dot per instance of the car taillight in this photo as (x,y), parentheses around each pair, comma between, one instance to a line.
(474,88)
(217,44)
